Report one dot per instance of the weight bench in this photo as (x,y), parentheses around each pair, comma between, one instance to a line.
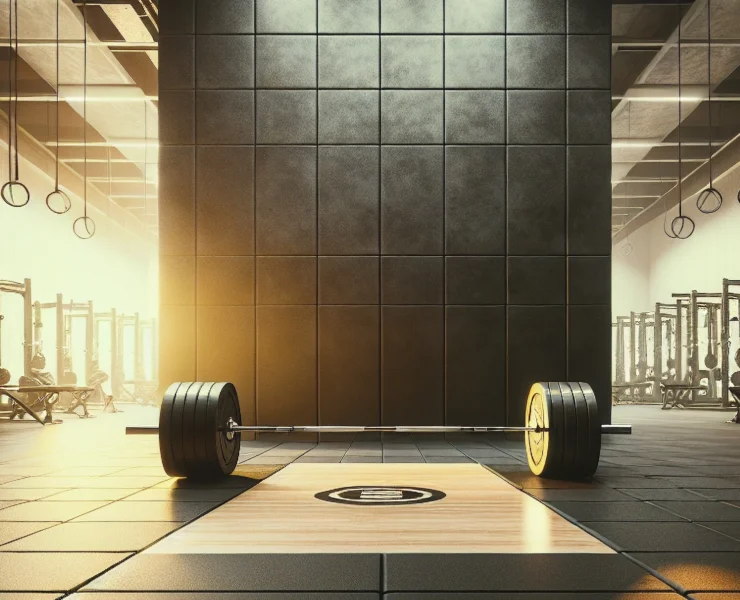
(675,393)
(623,392)
(46,397)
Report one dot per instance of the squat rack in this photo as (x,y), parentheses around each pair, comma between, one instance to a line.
(24,290)
(142,384)
(111,318)
(661,313)
(639,324)
(621,325)
(63,322)
(727,295)
(691,303)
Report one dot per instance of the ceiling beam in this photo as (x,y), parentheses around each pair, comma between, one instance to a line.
(653,2)
(724,162)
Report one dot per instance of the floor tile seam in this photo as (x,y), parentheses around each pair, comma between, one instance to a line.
(692,501)
(104,504)
(475,460)
(55,523)
(348,447)
(673,585)
(703,525)
(180,524)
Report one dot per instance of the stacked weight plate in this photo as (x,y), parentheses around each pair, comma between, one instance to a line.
(569,443)
(192,440)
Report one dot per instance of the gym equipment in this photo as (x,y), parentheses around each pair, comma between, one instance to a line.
(65,316)
(641,383)
(682,227)
(710,199)
(105,347)
(84,227)
(710,360)
(199,430)
(24,290)
(38,362)
(707,302)
(14,193)
(619,335)
(39,398)
(728,297)
(664,337)
(57,195)
(134,336)
(4,373)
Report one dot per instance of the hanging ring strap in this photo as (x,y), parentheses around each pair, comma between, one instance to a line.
(14,193)
(682,226)
(57,201)
(84,227)
(710,199)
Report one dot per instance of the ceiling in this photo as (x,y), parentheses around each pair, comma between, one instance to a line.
(122,122)
(645,107)
(121,106)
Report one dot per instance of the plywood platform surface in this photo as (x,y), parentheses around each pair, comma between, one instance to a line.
(480,513)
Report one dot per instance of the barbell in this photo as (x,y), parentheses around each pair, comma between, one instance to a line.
(200,431)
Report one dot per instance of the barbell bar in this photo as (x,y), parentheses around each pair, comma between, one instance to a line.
(199,430)
(233,427)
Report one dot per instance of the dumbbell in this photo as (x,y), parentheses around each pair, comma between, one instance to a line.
(200,430)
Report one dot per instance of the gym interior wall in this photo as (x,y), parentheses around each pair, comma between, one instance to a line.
(385,211)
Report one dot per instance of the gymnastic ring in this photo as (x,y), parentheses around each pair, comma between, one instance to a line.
(84,228)
(66,202)
(704,196)
(626,250)
(738,195)
(7,189)
(684,220)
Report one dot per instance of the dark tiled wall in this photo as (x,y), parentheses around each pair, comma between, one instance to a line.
(385,211)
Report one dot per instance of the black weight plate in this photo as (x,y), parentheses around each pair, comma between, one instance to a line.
(555,454)
(570,429)
(735,379)
(188,426)
(201,436)
(582,441)
(228,410)
(165,429)
(222,454)
(594,429)
(710,360)
(178,418)
(212,464)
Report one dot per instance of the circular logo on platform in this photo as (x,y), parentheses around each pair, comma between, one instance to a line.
(374,495)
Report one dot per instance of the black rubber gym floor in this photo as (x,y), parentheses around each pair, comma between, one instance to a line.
(81,498)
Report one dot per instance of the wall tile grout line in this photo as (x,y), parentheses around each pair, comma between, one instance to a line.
(255,339)
(381,362)
(317,200)
(566,250)
(507,416)
(195,191)
(444,213)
